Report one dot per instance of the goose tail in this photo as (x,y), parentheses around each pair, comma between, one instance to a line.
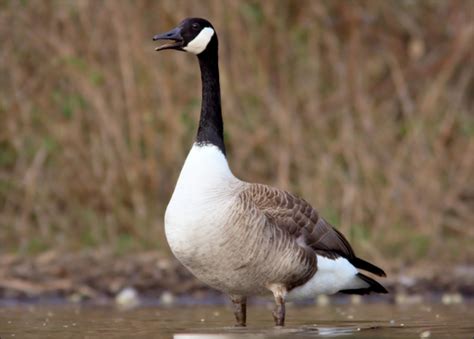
(365,285)
(367,266)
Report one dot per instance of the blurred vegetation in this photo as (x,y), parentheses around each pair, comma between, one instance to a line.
(365,108)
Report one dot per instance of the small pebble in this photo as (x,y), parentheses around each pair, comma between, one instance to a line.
(404,299)
(322,300)
(425,334)
(356,299)
(392,321)
(407,281)
(216,314)
(451,299)
(127,298)
(167,298)
(350,316)
(75,298)
(203,320)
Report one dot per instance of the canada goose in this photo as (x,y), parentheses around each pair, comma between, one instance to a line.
(242,238)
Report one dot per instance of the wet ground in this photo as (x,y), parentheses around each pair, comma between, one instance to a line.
(356,321)
(97,275)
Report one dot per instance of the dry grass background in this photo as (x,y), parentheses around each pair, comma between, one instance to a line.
(365,108)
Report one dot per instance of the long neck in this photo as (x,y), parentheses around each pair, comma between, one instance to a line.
(211,127)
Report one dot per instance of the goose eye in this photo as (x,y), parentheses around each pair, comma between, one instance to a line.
(195,26)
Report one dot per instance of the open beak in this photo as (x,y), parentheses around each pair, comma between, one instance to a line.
(174,35)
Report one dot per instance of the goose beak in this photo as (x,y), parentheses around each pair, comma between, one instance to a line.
(174,35)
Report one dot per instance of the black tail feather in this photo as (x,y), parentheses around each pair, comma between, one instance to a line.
(367,266)
(374,286)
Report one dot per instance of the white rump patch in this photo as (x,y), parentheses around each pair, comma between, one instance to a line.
(332,276)
(199,43)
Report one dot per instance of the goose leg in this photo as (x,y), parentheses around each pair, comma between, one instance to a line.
(240,310)
(279,293)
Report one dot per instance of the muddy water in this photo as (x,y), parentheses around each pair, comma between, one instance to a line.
(356,321)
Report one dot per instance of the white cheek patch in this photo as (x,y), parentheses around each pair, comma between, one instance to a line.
(199,43)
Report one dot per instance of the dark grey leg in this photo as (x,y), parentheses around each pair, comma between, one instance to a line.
(279,293)
(240,310)
(279,311)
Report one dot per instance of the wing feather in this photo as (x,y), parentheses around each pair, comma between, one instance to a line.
(297,218)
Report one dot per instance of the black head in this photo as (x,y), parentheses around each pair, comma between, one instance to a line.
(193,35)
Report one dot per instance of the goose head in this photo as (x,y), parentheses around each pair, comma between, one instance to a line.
(193,35)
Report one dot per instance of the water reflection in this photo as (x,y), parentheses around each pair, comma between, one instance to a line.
(280,332)
(355,321)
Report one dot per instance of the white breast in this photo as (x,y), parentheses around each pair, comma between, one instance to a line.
(201,199)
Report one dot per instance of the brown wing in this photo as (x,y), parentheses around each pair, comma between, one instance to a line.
(302,221)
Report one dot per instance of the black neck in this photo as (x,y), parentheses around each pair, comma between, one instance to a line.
(211,127)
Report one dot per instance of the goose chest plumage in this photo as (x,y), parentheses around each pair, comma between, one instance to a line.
(243,238)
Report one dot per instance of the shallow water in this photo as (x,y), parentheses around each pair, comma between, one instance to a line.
(356,321)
